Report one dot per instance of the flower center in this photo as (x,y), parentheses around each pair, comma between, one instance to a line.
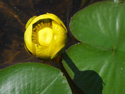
(42,33)
(45,36)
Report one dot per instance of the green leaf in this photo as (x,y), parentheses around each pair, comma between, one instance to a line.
(94,70)
(97,64)
(101,24)
(33,78)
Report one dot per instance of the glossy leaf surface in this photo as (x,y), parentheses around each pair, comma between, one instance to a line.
(97,64)
(101,24)
(33,78)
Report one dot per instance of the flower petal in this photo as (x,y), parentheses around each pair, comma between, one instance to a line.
(28,39)
(29,21)
(49,38)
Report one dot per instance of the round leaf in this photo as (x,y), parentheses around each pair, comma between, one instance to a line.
(96,70)
(97,64)
(100,24)
(33,78)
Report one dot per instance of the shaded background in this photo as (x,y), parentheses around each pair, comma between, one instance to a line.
(13,16)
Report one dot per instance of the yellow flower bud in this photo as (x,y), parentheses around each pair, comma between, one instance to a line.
(45,36)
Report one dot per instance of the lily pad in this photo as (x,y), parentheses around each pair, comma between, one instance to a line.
(33,78)
(97,64)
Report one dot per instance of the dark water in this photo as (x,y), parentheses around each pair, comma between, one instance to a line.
(13,16)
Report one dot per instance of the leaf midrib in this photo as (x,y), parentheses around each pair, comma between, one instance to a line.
(51,83)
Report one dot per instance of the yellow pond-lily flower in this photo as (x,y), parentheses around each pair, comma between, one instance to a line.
(45,36)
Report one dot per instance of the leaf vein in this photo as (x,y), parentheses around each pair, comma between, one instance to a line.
(50,84)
